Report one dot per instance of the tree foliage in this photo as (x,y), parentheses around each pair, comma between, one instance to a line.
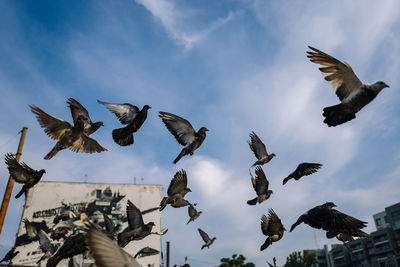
(235,261)
(298,259)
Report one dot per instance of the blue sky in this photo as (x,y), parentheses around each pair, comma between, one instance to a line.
(232,66)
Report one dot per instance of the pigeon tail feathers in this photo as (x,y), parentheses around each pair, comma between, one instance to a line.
(23,190)
(265,245)
(52,153)
(122,137)
(252,201)
(180,156)
(336,115)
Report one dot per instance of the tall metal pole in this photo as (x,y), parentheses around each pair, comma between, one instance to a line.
(10,184)
(167,253)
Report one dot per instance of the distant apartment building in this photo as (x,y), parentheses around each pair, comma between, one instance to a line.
(381,249)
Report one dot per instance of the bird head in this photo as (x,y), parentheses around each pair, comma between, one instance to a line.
(329,205)
(273,155)
(203,129)
(100,123)
(146,107)
(379,85)
(151,224)
(42,171)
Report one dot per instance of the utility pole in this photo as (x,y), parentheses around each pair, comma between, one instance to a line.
(10,184)
(168,253)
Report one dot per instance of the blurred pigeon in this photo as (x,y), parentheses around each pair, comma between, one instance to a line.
(130,115)
(353,94)
(45,245)
(272,227)
(146,251)
(23,174)
(107,253)
(260,185)
(333,221)
(208,242)
(302,170)
(73,245)
(68,136)
(31,230)
(193,213)
(344,237)
(111,227)
(274,263)
(10,255)
(176,191)
(78,110)
(259,150)
(137,229)
(184,133)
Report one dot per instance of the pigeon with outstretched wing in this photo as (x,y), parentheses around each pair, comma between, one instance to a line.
(259,150)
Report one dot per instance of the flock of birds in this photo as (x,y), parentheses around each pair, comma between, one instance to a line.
(353,94)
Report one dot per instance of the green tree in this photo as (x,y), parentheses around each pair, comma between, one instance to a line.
(235,261)
(298,259)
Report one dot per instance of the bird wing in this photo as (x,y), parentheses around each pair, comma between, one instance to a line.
(86,144)
(178,183)
(107,253)
(257,146)
(343,223)
(135,219)
(204,235)
(275,221)
(180,128)
(78,110)
(191,211)
(340,75)
(53,127)
(262,183)
(44,242)
(308,168)
(18,172)
(264,224)
(108,223)
(126,113)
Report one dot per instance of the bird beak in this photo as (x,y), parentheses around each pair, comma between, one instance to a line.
(386,85)
(207,130)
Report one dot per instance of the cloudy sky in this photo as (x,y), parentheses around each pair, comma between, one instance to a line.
(233,66)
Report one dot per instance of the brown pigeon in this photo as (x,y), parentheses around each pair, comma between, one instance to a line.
(184,133)
(193,213)
(67,136)
(259,150)
(302,170)
(353,94)
(260,185)
(130,115)
(272,227)
(176,191)
(332,221)
(78,110)
(23,174)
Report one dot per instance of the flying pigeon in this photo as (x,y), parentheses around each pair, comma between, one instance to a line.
(111,227)
(31,230)
(68,136)
(353,94)
(184,133)
(302,170)
(23,174)
(260,185)
(45,245)
(78,110)
(137,229)
(193,213)
(176,191)
(207,240)
(259,150)
(272,227)
(73,245)
(10,255)
(107,253)
(130,115)
(146,251)
(333,221)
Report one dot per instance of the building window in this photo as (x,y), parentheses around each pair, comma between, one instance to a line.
(385,219)
(98,193)
(396,214)
(378,221)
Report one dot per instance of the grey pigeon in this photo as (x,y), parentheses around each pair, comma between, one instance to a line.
(207,240)
(107,253)
(302,170)
(22,174)
(146,251)
(72,246)
(193,213)
(353,94)
(260,185)
(111,227)
(259,150)
(136,229)
(130,115)
(331,220)
(184,133)
(10,255)
(78,110)
(67,136)
(30,229)
(176,191)
(45,245)
(272,227)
